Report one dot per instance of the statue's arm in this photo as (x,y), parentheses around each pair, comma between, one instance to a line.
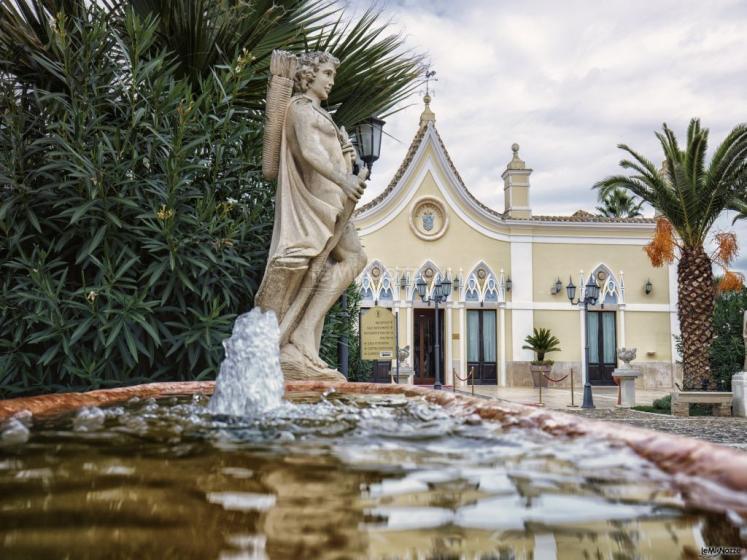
(308,136)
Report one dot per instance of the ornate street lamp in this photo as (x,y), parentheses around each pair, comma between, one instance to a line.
(591,294)
(439,294)
(367,140)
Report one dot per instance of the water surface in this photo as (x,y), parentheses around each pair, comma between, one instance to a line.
(340,477)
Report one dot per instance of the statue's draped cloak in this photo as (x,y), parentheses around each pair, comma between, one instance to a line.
(307,206)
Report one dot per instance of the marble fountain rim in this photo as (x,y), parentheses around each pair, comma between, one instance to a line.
(709,476)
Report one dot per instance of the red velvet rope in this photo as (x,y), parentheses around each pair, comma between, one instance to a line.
(471,372)
(555,380)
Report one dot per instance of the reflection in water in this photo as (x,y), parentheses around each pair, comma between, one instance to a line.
(340,478)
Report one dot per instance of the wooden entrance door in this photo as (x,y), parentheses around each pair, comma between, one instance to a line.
(424,344)
(481,346)
(602,332)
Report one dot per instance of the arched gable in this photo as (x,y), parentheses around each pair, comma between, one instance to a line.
(376,284)
(429,272)
(482,286)
(611,288)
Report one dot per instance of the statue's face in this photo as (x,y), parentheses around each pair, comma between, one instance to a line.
(323,81)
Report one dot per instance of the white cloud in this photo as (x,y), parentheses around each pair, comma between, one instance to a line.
(568,81)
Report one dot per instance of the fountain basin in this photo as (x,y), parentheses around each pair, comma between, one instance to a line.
(387,491)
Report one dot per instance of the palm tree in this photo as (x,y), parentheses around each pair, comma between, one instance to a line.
(689,196)
(617,203)
(377,73)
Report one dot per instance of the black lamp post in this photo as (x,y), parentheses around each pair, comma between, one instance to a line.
(591,294)
(367,140)
(439,294)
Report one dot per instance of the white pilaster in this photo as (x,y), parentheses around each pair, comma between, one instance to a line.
(462,341)
(522,320)
(621,334)
(502,345)
(448,374)
(674,320)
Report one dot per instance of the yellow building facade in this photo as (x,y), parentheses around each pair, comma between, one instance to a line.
(506,268)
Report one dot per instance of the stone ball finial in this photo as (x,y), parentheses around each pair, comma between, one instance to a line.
(515,148)
(427,99)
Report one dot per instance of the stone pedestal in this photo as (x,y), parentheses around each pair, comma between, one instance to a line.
(406,375)
(626,378)
(739,390)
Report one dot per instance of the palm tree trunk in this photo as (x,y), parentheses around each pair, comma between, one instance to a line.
(695,310)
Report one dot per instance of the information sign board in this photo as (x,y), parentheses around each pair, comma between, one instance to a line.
(377,334)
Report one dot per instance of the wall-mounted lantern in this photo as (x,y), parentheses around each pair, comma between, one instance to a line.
(557,287)
(508,284)
(648,287)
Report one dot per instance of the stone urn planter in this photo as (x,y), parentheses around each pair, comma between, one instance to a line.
(541,342)
(539,371)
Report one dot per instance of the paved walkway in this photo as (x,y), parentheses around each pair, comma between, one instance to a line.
(725,431)
(604,397)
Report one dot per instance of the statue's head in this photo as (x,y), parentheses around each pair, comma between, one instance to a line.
(315,70)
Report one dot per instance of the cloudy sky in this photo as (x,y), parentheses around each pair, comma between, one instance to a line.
(568,81)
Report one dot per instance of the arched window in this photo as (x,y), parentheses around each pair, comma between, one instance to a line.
(491,291)
(366,288)
(472,289)
(611,292)
(430,273)
(482,286)
(375,284)
(386,292)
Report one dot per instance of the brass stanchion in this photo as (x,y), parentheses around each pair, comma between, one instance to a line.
(541,380)
(572,403)
(470,374)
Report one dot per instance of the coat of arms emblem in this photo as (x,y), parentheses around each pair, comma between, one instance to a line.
(428,219)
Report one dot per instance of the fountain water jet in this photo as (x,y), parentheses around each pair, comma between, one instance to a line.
(250,381)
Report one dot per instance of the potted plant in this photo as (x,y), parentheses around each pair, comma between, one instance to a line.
(541,343)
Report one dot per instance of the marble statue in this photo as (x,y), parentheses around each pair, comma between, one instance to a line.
(315,251)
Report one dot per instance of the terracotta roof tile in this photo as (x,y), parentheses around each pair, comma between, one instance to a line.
(589,218)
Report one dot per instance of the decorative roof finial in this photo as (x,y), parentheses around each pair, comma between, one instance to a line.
(516,162)
(429,75)
(427,115)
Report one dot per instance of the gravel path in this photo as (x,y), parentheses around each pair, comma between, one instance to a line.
(724,430)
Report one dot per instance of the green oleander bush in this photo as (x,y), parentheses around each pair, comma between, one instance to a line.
(342,324)
(135,222)
(135,225)
(727,349)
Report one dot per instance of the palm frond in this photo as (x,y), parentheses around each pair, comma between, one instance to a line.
(687,191)
(376,72)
